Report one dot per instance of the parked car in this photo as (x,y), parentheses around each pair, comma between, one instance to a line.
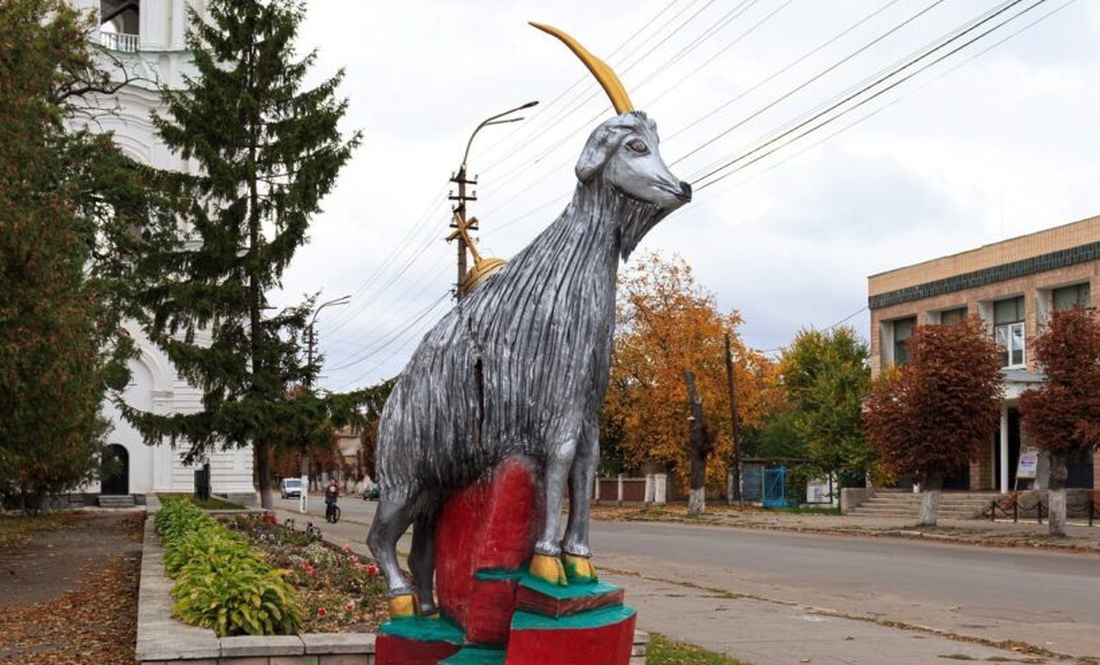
(291,488)
(370,492)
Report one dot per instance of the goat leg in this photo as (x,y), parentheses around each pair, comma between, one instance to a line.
(390,521)
(576,554)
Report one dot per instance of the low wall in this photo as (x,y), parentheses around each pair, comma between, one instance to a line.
(852,497)
(1077,502)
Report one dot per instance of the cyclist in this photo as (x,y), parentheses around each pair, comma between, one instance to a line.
(332,493)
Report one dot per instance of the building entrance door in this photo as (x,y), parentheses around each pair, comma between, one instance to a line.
(115,473)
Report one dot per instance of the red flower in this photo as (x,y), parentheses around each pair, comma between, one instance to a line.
(372,570)
(321,612)
(350,606)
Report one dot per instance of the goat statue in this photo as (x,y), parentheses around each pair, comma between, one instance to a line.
(521,366)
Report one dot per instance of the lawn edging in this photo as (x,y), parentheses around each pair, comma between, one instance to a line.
(163,640)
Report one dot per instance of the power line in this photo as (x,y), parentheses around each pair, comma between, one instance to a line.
(536,128)
(401,333)
(848,98)
(808,81)
(434,203)
(774,75)
(556,145)
(878,110)
(389,339)
(721,51)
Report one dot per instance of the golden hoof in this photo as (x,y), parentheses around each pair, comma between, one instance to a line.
(403,606)
(548,569)
(579,568)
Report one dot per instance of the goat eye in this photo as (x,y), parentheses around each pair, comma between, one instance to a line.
(637,145)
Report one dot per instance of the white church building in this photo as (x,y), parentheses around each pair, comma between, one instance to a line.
(147,36)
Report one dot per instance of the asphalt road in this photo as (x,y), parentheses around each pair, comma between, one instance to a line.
(1046,599)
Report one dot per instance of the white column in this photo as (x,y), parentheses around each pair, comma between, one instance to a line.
(649,489)
(620,499)
(1004,449)
(660,489)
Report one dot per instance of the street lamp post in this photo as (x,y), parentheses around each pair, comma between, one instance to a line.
(460,222)
(303,499)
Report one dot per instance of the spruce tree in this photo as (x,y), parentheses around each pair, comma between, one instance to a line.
(267,150)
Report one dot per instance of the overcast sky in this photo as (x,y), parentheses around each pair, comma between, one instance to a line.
(962,154)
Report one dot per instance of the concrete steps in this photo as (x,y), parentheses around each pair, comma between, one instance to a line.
(120,501)
(953,505)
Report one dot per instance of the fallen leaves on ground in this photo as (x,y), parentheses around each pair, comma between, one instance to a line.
(94,623)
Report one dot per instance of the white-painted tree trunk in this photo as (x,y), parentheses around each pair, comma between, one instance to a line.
(929,507)
(1057,516)
(697,502)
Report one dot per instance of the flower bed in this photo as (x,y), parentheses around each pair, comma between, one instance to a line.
(338,592)
(245,575)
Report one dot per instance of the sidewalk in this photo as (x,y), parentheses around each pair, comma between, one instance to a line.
(754,630)
(978,532)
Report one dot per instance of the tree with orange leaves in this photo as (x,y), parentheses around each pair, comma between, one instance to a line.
(668,325)
(930,416)
(1063,415)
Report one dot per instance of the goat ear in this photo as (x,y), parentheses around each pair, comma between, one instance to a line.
(600,144)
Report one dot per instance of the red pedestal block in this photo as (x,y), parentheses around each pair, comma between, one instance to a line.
(416,642)
(493,611)
(490,526)
(539,597)
(596,637)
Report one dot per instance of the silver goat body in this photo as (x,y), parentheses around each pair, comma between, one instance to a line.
(521,366)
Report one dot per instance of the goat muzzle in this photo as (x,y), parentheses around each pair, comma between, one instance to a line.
(685,192)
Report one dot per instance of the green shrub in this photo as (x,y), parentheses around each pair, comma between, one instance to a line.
(222,583)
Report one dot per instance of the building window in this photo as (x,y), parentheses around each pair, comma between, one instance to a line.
(903,330)
(1069,297)
(953,317)
(1008,328)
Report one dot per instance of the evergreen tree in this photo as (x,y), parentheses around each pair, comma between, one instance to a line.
(74,213)
(268,149)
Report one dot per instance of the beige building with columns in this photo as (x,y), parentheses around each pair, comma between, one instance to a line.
(1013,285)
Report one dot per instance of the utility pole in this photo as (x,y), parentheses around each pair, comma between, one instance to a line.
(311,342)
(459,221)
(735,424)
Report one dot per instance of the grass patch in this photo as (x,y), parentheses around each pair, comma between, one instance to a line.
(209,504)
(662,651)
(17,529)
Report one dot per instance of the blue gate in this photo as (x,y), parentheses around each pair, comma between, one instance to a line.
(775,487)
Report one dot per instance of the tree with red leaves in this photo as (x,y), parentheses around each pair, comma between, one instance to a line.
(929,417)
(1063,415)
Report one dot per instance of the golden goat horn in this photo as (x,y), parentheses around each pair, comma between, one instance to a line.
(604,74)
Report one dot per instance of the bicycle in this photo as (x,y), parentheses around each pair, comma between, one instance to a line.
(332,513)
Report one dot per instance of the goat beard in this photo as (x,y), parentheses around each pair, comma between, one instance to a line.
(632,217)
